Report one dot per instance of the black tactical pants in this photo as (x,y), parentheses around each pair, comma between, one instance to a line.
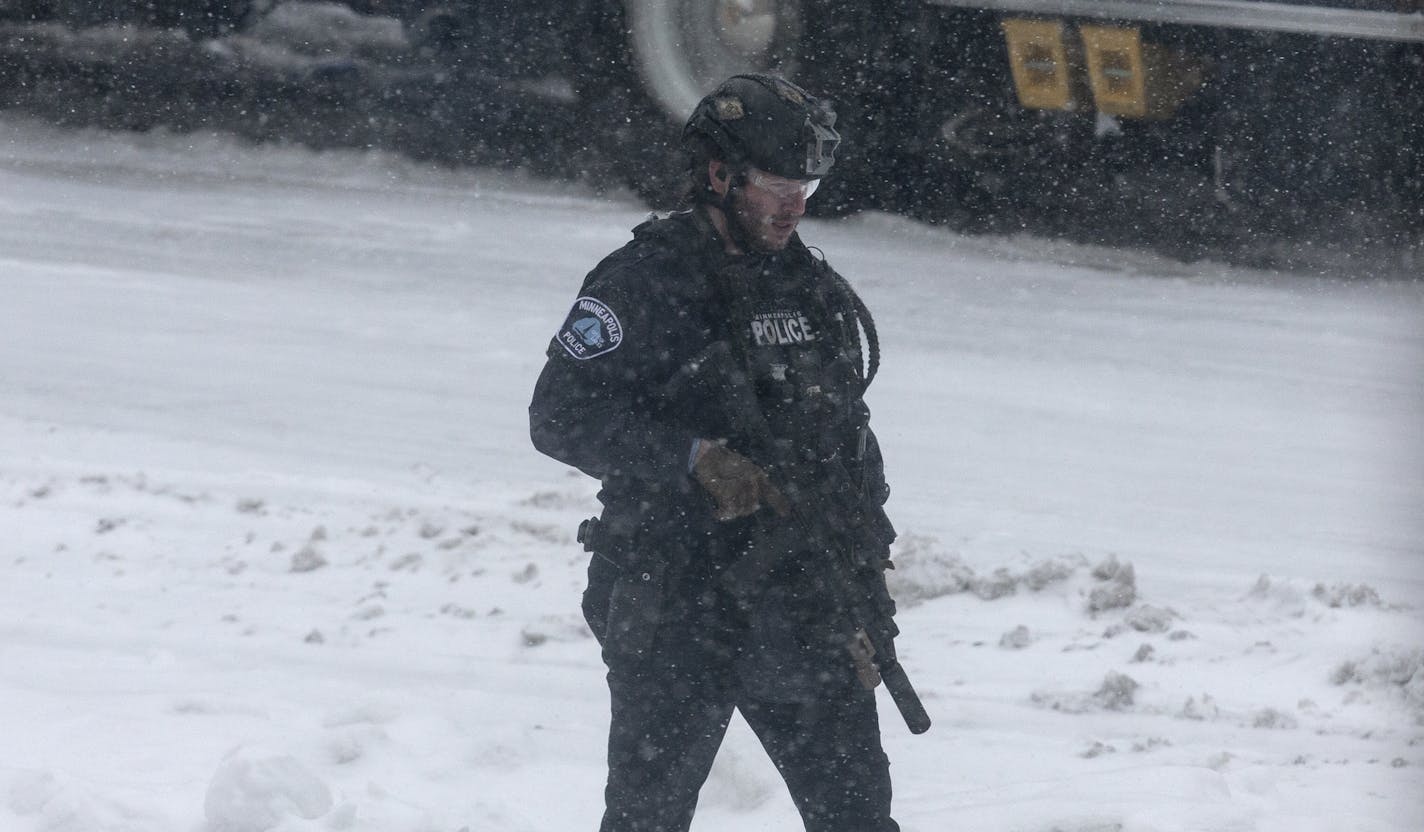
(669,718)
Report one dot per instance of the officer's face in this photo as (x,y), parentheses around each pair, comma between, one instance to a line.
(767,208)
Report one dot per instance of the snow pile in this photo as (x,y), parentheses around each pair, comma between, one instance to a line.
(324,28)
(1016,639)
(1143,618)
(1116,693)
(50,802)
(302,36)
(256,791)
(1295,597)
(1347,595)
(924,571)
(1396,671)
(1117,586)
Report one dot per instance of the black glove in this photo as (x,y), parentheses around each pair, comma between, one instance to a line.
(737,485)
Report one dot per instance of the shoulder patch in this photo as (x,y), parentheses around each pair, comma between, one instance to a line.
(730,108)
(591,329)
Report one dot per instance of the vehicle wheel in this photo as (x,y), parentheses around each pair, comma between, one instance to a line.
(855,55)
(655,60)
(683,48)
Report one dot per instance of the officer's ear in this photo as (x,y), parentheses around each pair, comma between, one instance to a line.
(719,176)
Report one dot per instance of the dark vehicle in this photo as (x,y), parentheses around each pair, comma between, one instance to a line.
(1264,110)
(1161,117)
(1153,116)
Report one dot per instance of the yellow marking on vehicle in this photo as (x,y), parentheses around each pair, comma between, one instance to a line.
(1133,79)
(1039,60)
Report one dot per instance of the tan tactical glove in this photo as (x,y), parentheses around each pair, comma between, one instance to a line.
(737,485)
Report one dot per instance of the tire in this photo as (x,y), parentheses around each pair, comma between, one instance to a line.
(653,60)
(683,48)
(850,54)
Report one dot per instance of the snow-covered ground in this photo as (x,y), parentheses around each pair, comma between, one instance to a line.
(277,553)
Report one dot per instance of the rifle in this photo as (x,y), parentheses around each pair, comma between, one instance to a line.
(828,515)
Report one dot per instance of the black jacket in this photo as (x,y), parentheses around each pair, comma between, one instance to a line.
(608,403)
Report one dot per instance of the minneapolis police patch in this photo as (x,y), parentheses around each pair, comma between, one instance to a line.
(591,330)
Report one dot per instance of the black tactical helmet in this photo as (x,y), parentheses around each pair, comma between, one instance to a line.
(767,122)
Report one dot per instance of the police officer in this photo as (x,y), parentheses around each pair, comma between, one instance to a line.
(626,397)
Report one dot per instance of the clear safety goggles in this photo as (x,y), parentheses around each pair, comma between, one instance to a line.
(781,187)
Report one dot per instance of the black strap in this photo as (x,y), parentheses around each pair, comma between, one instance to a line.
(863,320)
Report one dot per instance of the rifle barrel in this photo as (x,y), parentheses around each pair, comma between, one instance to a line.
(905,698)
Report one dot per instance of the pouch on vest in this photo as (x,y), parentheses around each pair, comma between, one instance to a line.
(634,611)
(623,601)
